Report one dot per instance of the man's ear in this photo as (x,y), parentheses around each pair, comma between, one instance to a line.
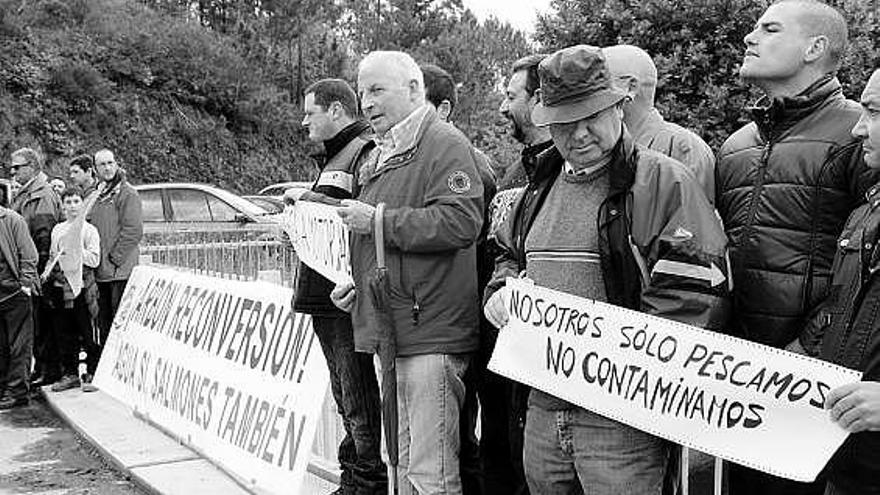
(335,110)
(632,87)
(537,97)
(817,49)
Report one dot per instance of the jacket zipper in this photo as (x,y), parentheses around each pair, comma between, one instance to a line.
(759,189)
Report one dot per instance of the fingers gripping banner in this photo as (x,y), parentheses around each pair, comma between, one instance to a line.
(319,238)
(227,367)
(744,402)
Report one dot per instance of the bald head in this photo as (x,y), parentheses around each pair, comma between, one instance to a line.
(391,87)
(816,18)
(632,71)
(105,165)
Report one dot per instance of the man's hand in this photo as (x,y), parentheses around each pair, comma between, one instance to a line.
(27,290)
(796,347)
(496,309)
(343,296)
(856,406)
(358,216)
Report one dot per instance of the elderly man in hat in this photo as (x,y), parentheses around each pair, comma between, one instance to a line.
(596,221)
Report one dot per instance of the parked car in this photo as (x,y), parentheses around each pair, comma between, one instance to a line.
(279,188)
(271,204)
(207,212)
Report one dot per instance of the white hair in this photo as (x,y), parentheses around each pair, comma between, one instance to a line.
(402,65)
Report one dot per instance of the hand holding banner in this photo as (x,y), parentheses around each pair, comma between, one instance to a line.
(319,238)
(735,399)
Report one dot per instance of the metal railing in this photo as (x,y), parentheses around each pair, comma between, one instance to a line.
(272,261)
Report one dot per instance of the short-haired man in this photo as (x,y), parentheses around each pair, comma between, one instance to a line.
(40,207)
(18,279)
(81,171)
(117,214)
(332,118)
(786,184)
(848,324)
(633,71)
(484,462)
(517,105)
(599,215)
(424,175)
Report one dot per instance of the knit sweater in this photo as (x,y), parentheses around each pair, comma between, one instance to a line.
(562,248)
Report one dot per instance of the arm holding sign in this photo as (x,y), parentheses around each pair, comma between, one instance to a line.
(683,246)
(507,264)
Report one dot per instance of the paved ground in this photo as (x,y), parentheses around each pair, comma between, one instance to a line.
(42,455)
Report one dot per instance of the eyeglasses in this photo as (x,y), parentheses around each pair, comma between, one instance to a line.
(16,166)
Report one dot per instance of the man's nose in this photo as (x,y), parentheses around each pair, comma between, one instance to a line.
(504,107)
(749,39)
(860,130)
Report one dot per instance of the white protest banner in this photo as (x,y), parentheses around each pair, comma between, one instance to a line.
(319,238)
(225,366)
(741,401)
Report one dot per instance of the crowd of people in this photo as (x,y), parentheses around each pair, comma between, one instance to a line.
(607,193)
(66,252)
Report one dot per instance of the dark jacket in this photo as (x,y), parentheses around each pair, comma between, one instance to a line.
(655,210)
(118,217)
(847,329)
(40,207)
(17,248)
(337,179)
(434,199)
(786,184)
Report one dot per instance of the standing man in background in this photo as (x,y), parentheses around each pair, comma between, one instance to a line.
(786,184)
(117,216)
(633,71)
(40,207)
(18,280)
(331,117)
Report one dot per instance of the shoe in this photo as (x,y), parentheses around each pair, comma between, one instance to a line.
(12,402)
(38,381)
(65,383)
(89,387)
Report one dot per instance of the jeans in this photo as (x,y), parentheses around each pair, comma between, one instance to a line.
(16,345)
(356,392)
(575,451)
(430,394)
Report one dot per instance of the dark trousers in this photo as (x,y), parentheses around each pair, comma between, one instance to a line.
(109,295)
(16,345)
(73,329)
(45,347)
(745,481)
(494,465)
(356,392)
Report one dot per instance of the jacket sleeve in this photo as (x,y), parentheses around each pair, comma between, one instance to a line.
(27,255)
(452,211)
(506,264)
(131,227)
(91,247)
(685,255)
(47,213)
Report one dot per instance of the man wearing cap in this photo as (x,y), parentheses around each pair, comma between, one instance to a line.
(601,219)
(633,71)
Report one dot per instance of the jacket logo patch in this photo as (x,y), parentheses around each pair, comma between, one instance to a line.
(459,182)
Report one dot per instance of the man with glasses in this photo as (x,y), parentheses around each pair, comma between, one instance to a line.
(40,207)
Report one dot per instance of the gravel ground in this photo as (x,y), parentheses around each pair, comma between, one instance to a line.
(39,454)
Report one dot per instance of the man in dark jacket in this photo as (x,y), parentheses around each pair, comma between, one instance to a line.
(606,219)
(117,215)
(485,467)
(424,175)
(848,326)
(786,184)
(40,207)
(331,111)
(18,280)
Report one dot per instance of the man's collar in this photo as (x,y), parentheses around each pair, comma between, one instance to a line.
(651,119)
(341,139)
(402,135)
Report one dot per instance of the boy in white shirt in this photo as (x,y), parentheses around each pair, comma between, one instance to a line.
(69,283)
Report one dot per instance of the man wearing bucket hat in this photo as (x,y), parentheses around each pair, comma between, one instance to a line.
(605,219)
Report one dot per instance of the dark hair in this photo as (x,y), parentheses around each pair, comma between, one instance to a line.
(439,86)
(529,64)
(327,91)
(86,163)
(73,190)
